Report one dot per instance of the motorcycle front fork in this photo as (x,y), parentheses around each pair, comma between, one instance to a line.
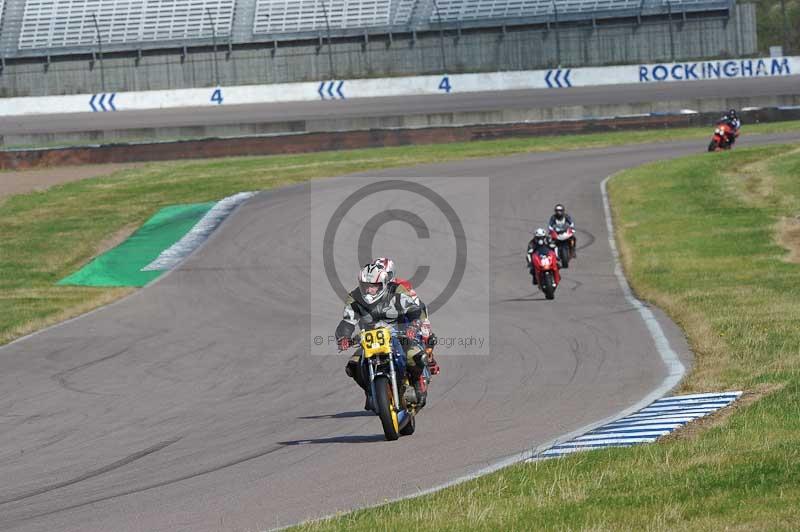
(372,381)
(392,376)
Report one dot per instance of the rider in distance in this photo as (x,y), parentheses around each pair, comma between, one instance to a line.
(559,222)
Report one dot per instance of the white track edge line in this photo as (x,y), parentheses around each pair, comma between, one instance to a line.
(699,396)
(199,233)
(675,368)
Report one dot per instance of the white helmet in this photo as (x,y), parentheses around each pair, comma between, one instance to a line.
(388,267)
(373,280)
(540,233)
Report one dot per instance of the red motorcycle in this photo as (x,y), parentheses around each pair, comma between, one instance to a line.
(564,238)
(723,138)
(545,268)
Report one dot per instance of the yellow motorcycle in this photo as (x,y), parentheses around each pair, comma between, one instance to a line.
(394,398)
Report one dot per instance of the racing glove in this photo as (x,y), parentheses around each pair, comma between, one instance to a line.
(433,367)
(344,343)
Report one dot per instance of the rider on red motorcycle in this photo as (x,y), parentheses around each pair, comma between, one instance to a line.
(540,243)
(559,222)
(732,120)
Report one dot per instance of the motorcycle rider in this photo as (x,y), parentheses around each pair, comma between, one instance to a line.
(732,119)
(380,298)
(561,220)
(424,324)
(540,243)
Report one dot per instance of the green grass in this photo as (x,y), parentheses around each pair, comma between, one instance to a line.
(698,239)
(45,236)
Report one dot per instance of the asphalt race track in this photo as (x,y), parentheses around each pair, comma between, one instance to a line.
(406,105)
(192,404)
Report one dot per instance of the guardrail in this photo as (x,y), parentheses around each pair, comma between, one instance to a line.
(555,79)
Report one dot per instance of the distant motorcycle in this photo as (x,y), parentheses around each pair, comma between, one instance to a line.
(564,238)
(545,268)
(394,398)
(723,137)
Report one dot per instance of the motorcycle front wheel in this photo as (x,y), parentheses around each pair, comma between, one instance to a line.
(384,403)
(547,285)
(712,146)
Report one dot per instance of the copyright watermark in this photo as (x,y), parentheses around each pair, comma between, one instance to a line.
(436,229)
(444,344)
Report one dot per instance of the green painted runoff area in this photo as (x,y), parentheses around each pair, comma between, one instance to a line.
(122,265)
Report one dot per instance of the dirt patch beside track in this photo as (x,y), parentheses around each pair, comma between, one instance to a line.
(23,181)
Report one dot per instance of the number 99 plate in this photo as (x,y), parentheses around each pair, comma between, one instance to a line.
(376,342)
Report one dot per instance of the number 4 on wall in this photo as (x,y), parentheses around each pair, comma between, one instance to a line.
(216,97)
(444,85)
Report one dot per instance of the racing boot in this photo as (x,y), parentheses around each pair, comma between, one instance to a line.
(433,366)
(421,388)
(354,371)
(368,402)
(533,275)
(417,379)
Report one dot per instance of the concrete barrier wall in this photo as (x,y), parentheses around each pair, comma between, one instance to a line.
(312,142)
(481,50)
(405,121)
(555,79)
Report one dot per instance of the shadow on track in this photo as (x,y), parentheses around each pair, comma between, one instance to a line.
(336,439)
(536,297)
(340,415)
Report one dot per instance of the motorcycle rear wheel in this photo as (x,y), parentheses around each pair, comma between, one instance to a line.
(384,403)
(547,285)
(564,251)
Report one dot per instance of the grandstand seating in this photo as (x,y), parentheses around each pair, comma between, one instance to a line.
(278,16)
(49,23)
(60,25)
(403,12)
(464,10)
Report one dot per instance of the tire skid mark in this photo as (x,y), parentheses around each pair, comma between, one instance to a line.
(252,456)
(91,474)
(589,237)
(532,341)
(62,377)
(598,334)
(575,350)
(160,370)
